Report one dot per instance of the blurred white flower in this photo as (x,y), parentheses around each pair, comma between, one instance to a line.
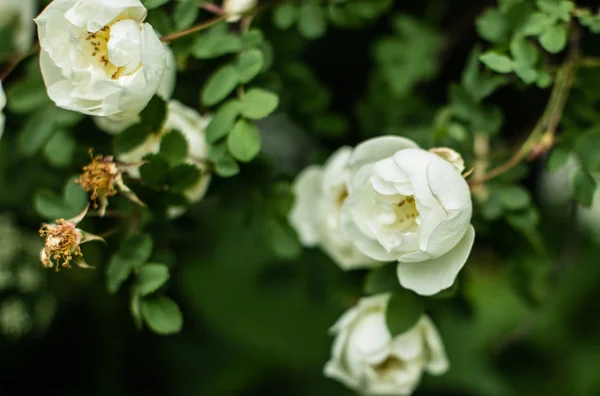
(18,16)
(319,195)
(98,58)
(235,8)
(192,126)
(366,358)
(412,206)
(2,106)
(116,125)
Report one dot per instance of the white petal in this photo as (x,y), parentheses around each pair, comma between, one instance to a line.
(438,362)
(432,276)
(233,8)
(307,189)
(376,149)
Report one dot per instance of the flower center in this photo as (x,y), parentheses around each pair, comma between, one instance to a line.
(389,366)
(62,243)
(98,178)
(115,48)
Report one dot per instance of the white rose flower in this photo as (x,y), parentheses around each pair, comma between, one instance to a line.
(409,205)
(98,58)
(192,126)
(366,358)
(234,8)
(18,15)
(116,125)
(2,106)
(320,193)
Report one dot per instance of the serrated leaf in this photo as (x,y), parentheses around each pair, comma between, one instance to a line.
(258,103)
(523,52)
(226,167)
(536,24)
(220,84)
(37,131)
(249,64)
(150,278)
(557,9)
(154,114)
(244,141)
(183,177)
(174,147)
(497,62)
(223,121)
(132,254)
(162,315)
(403,311)
(215,43)
(52,206)
(154,171)
(185,14)
(131,138)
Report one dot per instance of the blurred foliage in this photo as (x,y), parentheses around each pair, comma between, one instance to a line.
(250,306)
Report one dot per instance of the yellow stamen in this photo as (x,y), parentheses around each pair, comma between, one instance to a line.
(61,244)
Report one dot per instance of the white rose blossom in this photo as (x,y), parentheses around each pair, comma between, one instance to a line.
(18,15)
(412,206)
(367,358)
(320,193)
(98,57)
(235,8)
(192,126)
(115,125)
(2,106)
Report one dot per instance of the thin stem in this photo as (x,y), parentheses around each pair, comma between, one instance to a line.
(543,132)
(14,62)
(193,29)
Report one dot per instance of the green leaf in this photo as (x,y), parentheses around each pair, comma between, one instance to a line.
(557,159)
(584,188)
(382,280)
(477,84)
(492,26)
(131,138)
(216,42)
(311,22)
(258,103)
(27,96)
(536,24)
(285,15)
(244,141)
(223,120)
(557,9)
(174,147)
(155,171)
(526,73)
(60,149)
(587,147)
(523,52)
(135,307)
(497,62)
(554,39)
(513,197)
(185,14)
(150,278)
(151,4)
(249,64)
(36,133)
(184,176)
(51,206)
(162,315)
(154,114)
(227,167)
(132,254)
(252,39)
(403,311)
(282,239)
(220,84)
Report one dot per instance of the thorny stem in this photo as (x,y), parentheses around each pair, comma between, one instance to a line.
(193,29)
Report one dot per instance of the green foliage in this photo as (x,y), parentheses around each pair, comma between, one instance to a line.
(132,254)
(162,315)
(52,206)
(403,311)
